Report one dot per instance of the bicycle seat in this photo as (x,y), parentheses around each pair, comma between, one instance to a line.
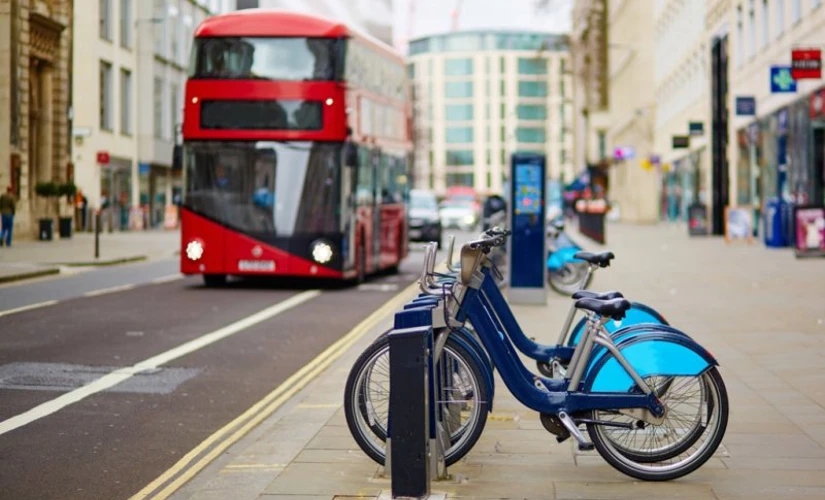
(599,259)
(613,308)
(587,294)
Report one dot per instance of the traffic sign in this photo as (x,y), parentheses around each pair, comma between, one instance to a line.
(103,157)
(781,79)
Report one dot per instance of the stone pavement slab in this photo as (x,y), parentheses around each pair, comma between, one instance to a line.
(760,311)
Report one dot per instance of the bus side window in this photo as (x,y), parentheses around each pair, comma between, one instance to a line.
(365,185)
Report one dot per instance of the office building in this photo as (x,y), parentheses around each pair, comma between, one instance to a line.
(481,96)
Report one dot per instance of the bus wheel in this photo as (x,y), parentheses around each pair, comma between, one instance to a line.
(214,280)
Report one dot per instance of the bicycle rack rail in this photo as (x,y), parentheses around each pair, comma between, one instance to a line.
(415,452)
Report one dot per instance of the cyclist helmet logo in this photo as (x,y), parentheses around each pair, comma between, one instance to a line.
(257,251)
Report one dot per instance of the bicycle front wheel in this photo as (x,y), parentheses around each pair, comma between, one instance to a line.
(462,399)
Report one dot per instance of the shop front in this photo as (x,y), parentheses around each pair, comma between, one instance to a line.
(115,193)
(782,165)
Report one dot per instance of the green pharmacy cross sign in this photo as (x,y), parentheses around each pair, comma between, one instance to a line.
(781,79)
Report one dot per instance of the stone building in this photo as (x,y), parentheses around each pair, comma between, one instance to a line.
(35,109)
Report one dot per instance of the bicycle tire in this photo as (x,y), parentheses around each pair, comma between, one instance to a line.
(353,404)
(642,470)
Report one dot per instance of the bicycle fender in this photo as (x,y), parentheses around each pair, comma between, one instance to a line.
(560,257)
(650,353)
(638,314)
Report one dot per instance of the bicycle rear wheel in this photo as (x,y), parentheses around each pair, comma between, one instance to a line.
(463,399)
(667,460)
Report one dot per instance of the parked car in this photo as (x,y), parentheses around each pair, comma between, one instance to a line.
(425,222)
(461,215)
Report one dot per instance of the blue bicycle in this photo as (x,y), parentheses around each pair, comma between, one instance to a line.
(659,386)
(474,394)
(566,273)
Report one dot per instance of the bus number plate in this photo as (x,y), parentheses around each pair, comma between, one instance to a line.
(256,265)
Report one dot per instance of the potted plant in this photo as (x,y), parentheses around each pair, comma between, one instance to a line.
(47,190)
(69,190)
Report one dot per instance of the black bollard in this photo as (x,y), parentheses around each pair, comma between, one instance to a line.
(97,233)
(409,432)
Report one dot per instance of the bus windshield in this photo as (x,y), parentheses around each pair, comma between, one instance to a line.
(266,187)
(296,59)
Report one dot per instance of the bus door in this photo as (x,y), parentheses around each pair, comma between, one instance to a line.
(349,205)
(377,228)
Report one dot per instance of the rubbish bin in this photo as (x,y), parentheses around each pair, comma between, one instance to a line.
(65,227)
(788,223)
(774,233)
(46,229)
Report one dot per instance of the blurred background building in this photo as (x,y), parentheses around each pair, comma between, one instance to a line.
(631,47)
(130,67)
(35,108)
(479,97)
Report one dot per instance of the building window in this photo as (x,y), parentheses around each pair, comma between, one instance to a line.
(159,38)
(464,157)
(173,30)
(602,135)
(532,89)
(459,135)
(780,17)
(458,67)
(796,11)
(531,112)
(530,135)
(175,108)
(459,179)
(765,23)
(106,19)
(105,96)
(751,28)
(126,24)
(740,37)
(411,70)
(459,112)
(532,66)
(157,98)
(459,89)
(125,102)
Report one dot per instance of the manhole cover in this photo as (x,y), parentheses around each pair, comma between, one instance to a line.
(67,377)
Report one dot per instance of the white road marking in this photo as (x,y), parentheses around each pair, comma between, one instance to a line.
(122,374)
(167,279)
(28,307)
(102,291)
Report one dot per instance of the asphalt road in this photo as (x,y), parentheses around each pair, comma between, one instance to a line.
(81,281)
(120,437)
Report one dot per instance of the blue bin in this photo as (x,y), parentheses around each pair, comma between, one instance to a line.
(775,232)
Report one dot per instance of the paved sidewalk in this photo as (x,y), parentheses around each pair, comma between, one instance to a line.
(760,311)
(31,258)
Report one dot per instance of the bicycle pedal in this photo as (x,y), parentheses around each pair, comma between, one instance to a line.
(561,439)
(586,446)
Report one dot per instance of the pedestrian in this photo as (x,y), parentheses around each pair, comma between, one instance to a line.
(8,204)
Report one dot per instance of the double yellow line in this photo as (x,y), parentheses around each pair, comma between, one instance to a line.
(202,455)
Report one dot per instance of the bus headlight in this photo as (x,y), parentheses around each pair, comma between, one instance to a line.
(321,252)
(194,250)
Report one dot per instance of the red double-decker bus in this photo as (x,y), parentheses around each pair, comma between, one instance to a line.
(296,145)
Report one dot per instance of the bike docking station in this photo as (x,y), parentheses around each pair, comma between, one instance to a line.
(527,246)
(416,434)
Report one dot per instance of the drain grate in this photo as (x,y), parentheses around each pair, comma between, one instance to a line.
(66,377)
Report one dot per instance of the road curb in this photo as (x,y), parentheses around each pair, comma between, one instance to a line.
(103,263)
(29,275)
